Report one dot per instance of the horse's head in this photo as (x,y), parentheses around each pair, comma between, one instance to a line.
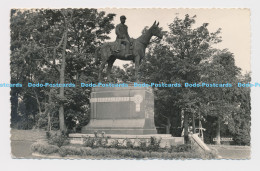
(156,31)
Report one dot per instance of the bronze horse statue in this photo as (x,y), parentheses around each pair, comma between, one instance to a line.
(108,55)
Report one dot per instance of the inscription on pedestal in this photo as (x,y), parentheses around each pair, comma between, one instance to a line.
(137,99)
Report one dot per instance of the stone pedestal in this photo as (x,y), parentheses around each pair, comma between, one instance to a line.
(121,110)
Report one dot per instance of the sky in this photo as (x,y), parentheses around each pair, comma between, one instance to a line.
(235,25)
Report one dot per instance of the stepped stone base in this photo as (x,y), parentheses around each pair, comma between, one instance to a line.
(166,139)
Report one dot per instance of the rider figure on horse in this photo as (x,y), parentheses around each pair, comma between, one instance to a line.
(122,36)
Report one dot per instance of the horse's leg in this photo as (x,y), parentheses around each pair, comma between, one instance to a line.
(109,67)
(103,63)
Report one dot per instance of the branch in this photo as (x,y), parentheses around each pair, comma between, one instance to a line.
(54,55)
(164,116)
(57,47)
(36,47)
(53,65)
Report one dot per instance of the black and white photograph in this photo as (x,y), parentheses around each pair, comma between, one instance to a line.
(130,83)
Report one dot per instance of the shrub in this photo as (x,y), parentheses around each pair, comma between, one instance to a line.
(180,148)
(129,143)
(95,142)
(62,152)
(58,138)
(85,151)
(70,150)
(88,142)
(44,148)
(154,144)
(23,124)
(116,144)
(142,145)
(101,141)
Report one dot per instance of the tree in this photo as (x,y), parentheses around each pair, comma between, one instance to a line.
(58,44)
(220,102)
(178,59)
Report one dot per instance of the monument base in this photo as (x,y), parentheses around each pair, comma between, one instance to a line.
(120,126)
(121,110)
(166,139)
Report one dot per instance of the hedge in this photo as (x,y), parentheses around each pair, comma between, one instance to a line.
(45,148)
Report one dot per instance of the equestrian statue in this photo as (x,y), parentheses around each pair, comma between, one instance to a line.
(126,48)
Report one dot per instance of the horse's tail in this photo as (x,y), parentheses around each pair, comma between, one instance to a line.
(97,55)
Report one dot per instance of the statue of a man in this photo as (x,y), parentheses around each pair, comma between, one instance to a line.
(122,35)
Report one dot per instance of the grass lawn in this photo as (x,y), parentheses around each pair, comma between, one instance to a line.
(21,141)
(232,152)
(26,135)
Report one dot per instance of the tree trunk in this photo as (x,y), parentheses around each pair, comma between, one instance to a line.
(168,126)
(218,132)
(38,102)
(186,134)
(14,106)
(62,79)
(49,122)
(48,110)
(193,124)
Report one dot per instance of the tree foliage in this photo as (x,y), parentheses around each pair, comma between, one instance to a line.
(186,55)
(38,51)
